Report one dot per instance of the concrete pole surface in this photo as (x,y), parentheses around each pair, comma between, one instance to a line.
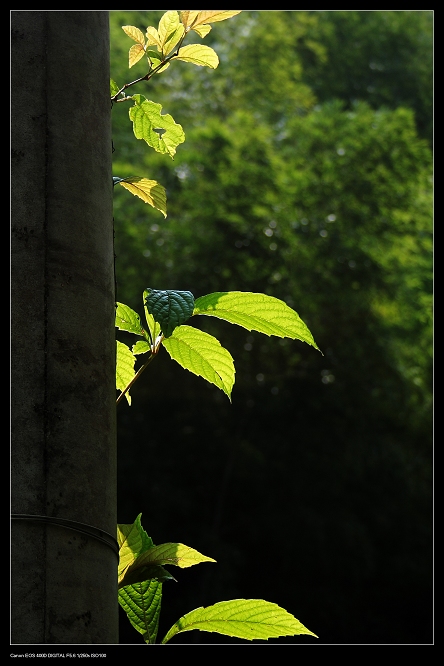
(63,451)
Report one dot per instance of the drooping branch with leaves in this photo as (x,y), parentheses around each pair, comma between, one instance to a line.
(141,571)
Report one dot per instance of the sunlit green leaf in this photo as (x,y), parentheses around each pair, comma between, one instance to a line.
(150,191)
(255,312)
(202,30)
(176,554)
(214,15)
(128,320)
(170,31)
(153,37)
(134,33)
(198,54)
(113,88)
(159,131)
(203,355)
(124,368)
(141,347)
(136,52)
(132,540)
(194,17)
(251,619)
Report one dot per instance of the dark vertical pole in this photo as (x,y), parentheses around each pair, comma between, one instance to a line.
(63,461)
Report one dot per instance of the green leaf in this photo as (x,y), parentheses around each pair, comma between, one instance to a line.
(176,554)
(113,87)
(150,191)
(250,619)
(141,603)
(153,38)
(159,131)
(194,17)
(202,30)
(124,368)
(203,355)
(141,347)
(141,597)
(135,54)
(128,320)
(135,34)
(169,308)
(132,540)
(198,54)
(255,312)
(170,31)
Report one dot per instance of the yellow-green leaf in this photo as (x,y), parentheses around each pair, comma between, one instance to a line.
(172,40)
(153,37)
(141,347)
(255,312)
(251,619)
(176,554)
(134,33)
(158,130)
(192,17)
(199,54)
(167,25)
(131,543)
(202,30)
(150,191)
(187,16)
(113,87)
(203,355)
(170,31)
(136,52)
(128,320)
(125,360)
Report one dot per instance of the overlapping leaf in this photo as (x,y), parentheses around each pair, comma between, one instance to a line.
(159,131)
(169,307)
(203,355)
(255,312)
(176,554)
(132,540)
(251,619)
(170,31)
(150,191)
(141,603)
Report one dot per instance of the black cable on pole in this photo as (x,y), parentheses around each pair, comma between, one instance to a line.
(89,530)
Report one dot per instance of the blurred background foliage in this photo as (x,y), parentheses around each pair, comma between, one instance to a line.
(306,174)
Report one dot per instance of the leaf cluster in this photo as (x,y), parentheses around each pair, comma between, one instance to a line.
(197,351)
(142,574)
